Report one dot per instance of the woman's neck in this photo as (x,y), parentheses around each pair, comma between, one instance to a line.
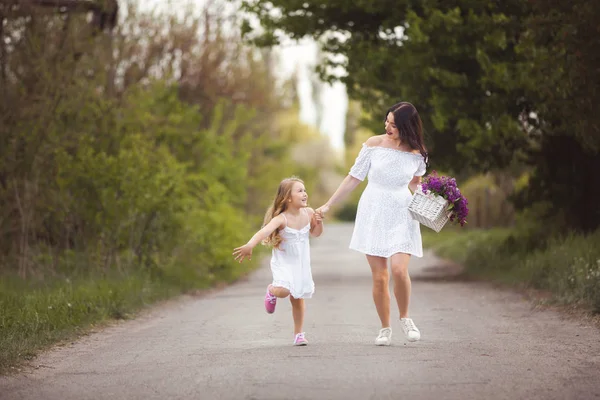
(395,142)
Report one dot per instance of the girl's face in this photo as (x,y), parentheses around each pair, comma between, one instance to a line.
(390,127)
(298,197)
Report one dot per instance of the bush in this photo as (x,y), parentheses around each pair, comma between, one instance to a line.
(568,267)
(129,168)
(347,212)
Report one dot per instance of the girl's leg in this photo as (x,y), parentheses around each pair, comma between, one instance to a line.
(298,314)
(278,291)
(402,285)
(381,293)
(273,292)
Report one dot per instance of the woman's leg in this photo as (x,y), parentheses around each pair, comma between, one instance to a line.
(402,288)
(298,314)
(402,285)
(381,292)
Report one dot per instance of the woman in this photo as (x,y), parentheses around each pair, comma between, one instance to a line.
(394,162)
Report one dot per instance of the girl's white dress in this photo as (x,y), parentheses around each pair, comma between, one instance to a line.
(383,225)
(290,264)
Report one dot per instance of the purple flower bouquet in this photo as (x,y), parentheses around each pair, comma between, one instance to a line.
(438,201)
(446,187)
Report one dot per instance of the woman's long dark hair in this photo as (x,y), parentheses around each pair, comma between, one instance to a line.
(409,125)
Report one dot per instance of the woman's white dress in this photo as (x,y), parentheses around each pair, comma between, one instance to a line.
(290,264)
(383,225)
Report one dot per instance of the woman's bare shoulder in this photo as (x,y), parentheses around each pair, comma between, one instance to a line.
(374,141)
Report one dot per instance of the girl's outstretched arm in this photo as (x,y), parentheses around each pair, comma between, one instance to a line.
(348,185)
(246,250)
(316,223)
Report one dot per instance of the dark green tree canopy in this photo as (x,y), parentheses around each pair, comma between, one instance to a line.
(496,82)
(448,58)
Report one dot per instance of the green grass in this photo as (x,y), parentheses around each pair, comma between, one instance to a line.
(456,244)
(567,267)
(37,314)
(34,316)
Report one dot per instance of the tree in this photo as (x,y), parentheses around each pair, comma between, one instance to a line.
(163,142)
(472,69)
(425,53)
(560,78)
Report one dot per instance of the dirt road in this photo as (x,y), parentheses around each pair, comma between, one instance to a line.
(477,343)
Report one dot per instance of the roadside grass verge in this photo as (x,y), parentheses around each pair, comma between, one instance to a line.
(36,314)
(567,267)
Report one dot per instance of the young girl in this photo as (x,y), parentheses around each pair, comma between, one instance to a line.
(287,225)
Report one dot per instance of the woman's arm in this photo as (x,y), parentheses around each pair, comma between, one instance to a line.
(348,185)
(358,172)
(416,181)
(246,250)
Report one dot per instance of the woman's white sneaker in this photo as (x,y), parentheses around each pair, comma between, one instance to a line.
(410,330)
(384,338)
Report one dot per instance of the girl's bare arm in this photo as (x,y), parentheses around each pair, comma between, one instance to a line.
(261,235)
(316,223)
(244,251)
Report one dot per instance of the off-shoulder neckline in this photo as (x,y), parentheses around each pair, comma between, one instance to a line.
(389,148)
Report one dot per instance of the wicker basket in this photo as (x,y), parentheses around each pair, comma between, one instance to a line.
(429,209)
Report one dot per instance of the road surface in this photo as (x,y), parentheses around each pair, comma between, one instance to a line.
(477,343)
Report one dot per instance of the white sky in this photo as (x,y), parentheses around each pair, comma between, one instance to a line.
(301,57)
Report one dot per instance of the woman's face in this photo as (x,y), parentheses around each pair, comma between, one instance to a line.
(390,127)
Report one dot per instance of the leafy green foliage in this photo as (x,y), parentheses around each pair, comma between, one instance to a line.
(568,266)
(496,83)
(434,54)
(131,167)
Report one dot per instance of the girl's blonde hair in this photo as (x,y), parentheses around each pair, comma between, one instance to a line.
(284,193)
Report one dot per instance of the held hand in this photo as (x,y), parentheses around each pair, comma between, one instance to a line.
(242,252)
(317,219)
(322,210)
